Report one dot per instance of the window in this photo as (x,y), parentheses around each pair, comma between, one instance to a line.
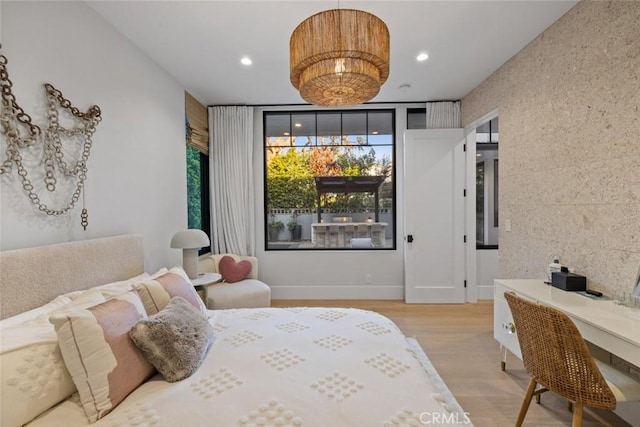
(198,192)
(329,180)
(197,139)
(416,118)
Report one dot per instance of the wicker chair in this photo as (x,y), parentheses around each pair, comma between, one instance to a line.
(557,358)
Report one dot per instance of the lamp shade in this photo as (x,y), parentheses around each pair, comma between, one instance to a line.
(339,57)
(189,239)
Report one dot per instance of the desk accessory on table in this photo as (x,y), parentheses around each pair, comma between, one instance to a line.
(568,281)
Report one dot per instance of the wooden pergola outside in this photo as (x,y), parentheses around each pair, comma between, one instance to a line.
(349,184)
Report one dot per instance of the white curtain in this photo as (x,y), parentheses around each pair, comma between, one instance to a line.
(443,115)
(231,173)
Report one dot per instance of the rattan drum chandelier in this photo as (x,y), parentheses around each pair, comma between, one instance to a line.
(339,57)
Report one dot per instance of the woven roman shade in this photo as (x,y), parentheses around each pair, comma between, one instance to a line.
(197,124)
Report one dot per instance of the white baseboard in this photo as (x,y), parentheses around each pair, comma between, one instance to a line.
(337,292)
(485,292)
(353,292)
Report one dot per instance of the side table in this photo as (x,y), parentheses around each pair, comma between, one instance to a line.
(202,282)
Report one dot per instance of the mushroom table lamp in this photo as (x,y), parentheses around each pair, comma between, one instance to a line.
(190,241)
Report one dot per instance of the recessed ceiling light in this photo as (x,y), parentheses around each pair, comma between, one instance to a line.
(375,132)
(245,60)
(298,125)
(286,134)
(423,56)
(478,155)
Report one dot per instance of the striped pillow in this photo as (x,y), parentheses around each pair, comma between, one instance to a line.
(103,361)
(156,294)
(34,377)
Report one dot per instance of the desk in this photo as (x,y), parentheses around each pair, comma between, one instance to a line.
(347,230)
(610,326)
(604,323)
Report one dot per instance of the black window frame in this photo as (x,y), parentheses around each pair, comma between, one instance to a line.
(205,208)
(291,113)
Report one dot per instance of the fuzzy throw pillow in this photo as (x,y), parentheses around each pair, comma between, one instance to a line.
(175,340)
(232,271)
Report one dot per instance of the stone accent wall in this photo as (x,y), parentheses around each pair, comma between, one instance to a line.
(569,109)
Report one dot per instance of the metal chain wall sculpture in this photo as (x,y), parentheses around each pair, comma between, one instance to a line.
(21,134)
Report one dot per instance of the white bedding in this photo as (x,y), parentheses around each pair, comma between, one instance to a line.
(289,367)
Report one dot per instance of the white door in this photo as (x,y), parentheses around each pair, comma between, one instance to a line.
(434,177)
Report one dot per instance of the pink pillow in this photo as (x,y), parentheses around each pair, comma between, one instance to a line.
(103,361)
(156,293)
(233,271)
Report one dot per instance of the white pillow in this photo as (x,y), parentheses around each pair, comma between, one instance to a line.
(37,329)
(34,377)
(111,290)
(57,302)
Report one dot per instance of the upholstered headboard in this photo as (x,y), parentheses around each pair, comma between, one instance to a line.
(34,276)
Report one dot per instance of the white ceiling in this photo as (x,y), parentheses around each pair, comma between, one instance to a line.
(200,43)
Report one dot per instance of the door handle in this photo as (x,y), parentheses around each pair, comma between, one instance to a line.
(410,238)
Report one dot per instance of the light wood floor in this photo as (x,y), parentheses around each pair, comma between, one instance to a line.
(458,339)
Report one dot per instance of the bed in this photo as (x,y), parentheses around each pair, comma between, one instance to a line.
(270,366)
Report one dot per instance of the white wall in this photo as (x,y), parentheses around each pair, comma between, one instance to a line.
(136,179)
(331,274)
(569,147)
(486,272)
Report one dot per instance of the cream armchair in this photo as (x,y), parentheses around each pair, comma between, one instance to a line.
(247,293)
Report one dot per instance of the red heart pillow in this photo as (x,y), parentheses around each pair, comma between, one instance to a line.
(233,271)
